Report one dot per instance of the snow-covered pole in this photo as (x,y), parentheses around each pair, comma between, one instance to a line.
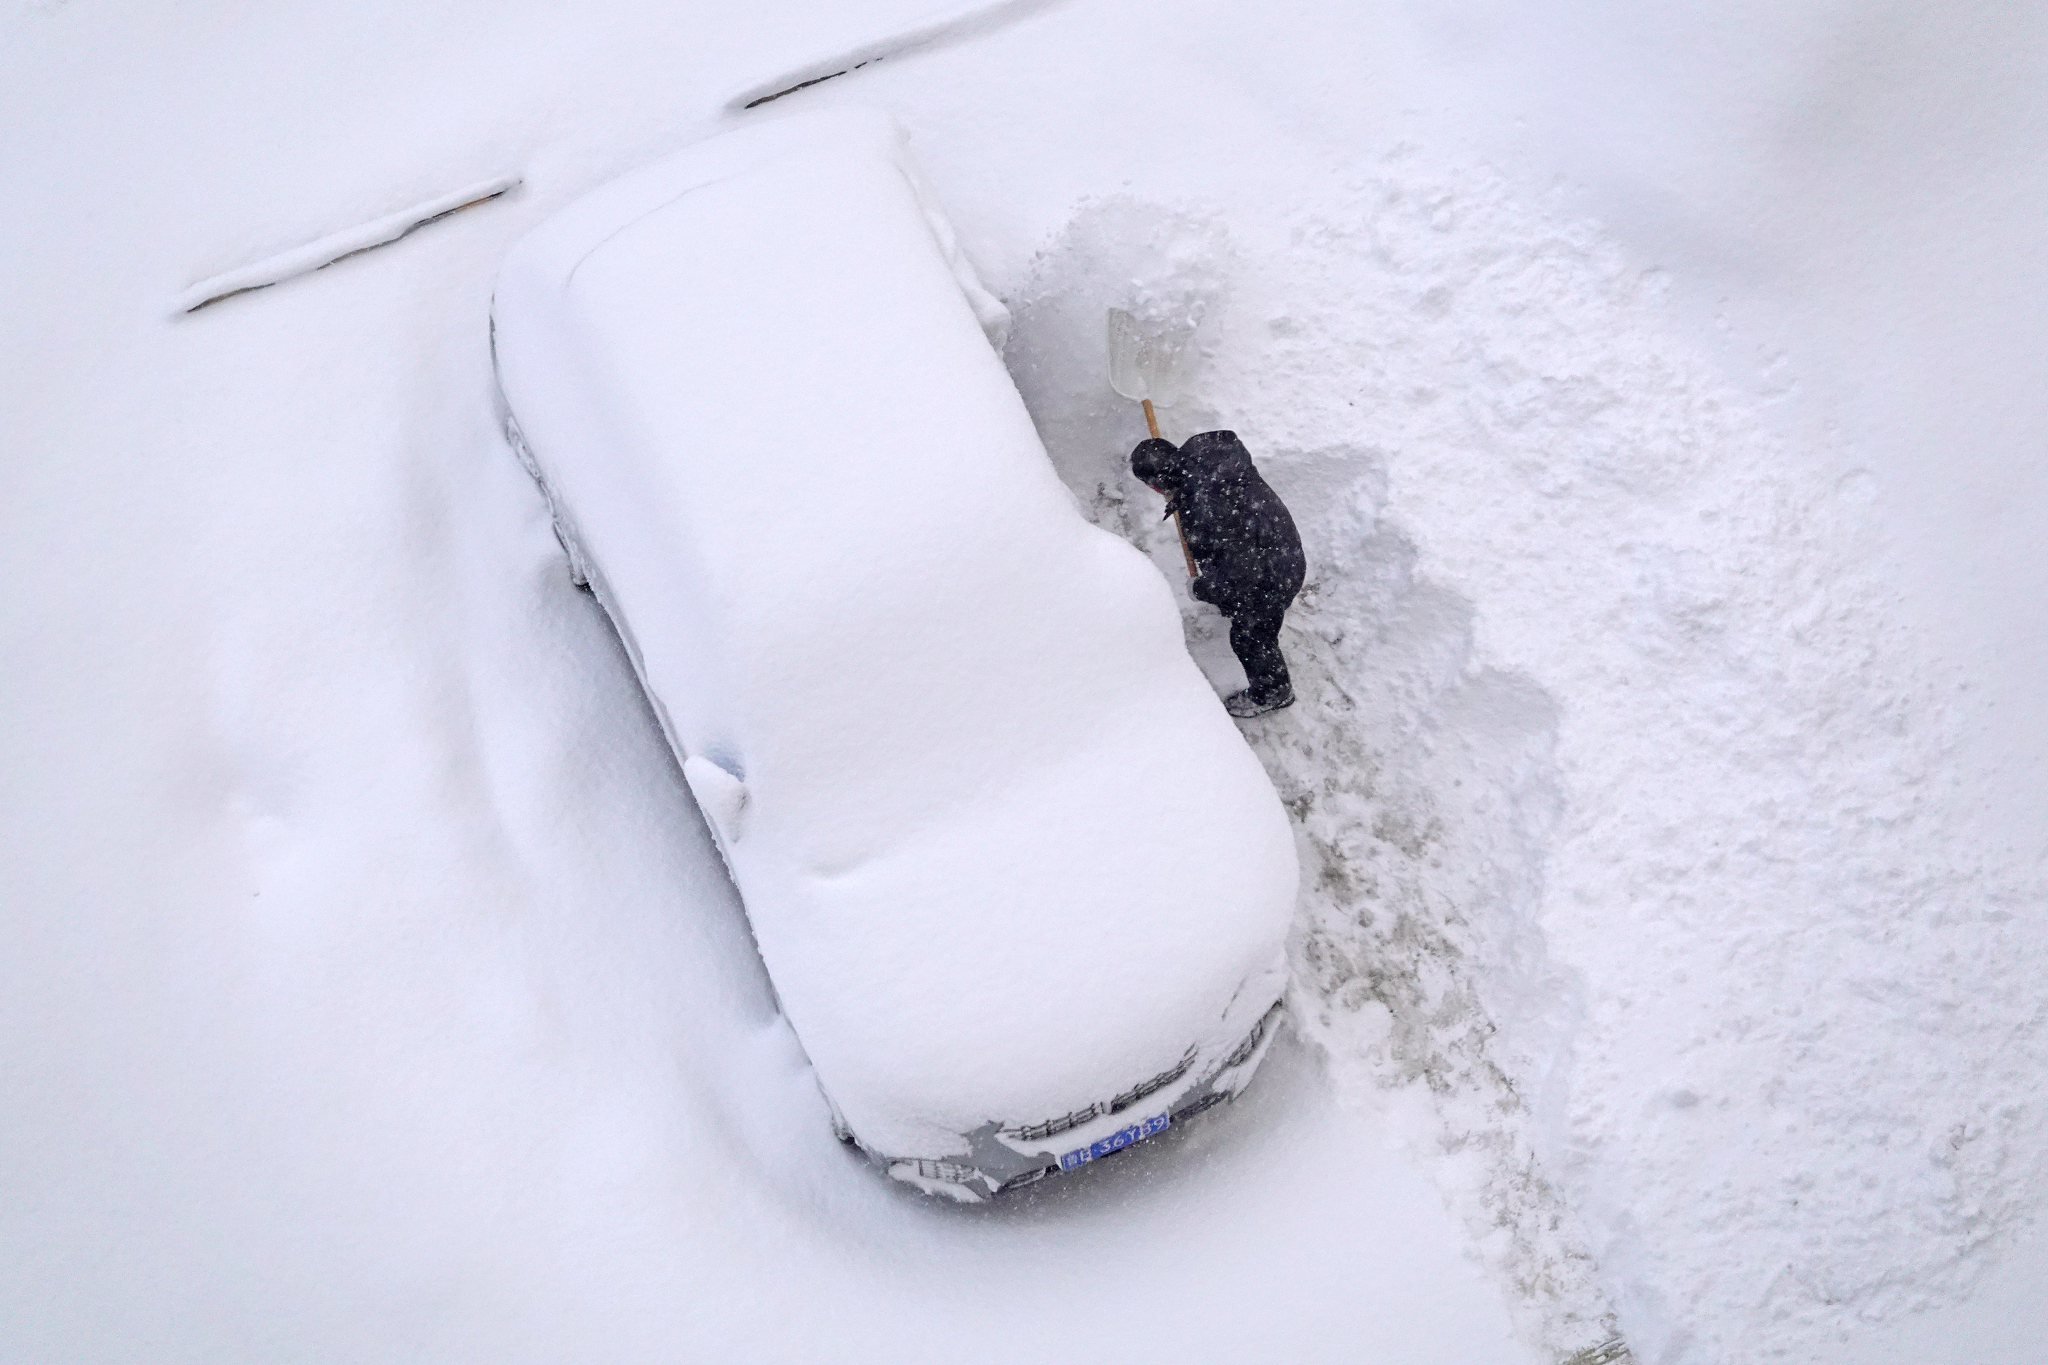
(316,255)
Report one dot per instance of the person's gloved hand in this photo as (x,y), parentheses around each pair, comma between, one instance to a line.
(1200,588)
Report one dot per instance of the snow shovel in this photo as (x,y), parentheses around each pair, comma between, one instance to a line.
(1142,366)
(1147,367)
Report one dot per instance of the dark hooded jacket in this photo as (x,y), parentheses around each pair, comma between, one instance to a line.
(1238,532)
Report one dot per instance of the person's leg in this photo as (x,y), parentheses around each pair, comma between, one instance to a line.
(1255,639)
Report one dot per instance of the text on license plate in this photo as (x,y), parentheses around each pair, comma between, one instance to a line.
(1115,1142)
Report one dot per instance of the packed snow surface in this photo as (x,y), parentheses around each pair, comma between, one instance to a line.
(1004,854)
(1656,388)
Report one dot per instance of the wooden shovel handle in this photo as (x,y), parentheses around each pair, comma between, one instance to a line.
(1185,553)
(1152,424)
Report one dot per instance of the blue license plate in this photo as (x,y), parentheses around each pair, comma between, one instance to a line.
(1115,1142)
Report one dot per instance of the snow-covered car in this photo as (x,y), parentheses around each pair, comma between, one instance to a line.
(1019,884)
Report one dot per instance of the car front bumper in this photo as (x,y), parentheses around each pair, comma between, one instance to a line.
(1005,1157)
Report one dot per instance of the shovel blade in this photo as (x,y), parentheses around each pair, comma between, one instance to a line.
(1144,364)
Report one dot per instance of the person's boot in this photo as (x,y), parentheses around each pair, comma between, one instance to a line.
(1244,705)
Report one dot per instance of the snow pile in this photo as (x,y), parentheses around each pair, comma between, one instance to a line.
(1524,494)
(1417,915)
(1757,874)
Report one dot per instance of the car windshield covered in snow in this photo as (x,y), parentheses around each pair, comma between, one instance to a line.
(1019,883)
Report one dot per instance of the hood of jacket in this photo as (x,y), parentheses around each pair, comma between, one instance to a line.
(1207,455)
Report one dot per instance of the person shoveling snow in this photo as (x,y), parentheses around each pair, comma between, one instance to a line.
(1242,549)
(1243,552)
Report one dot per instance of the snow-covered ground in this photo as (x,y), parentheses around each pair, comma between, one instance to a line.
(1656,391)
